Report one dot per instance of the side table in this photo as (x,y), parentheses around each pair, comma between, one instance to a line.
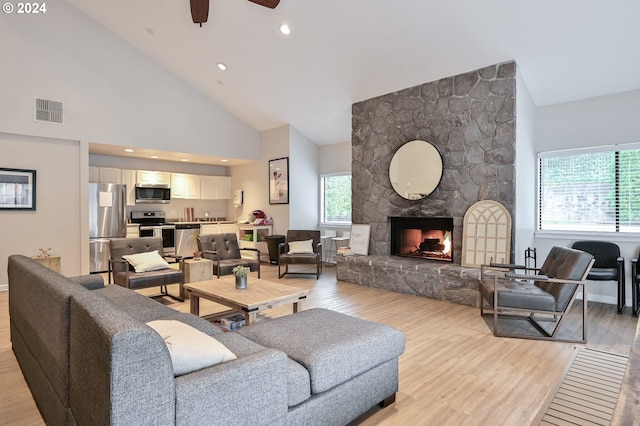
(51,262)
(197,270)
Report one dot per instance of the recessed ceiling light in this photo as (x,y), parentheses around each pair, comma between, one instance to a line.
(154,156)
(128,150)
(223,161)
(284,29)
(222,66)
(184,159)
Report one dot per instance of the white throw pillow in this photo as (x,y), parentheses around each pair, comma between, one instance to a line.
(190,349)
(148,261)
(305,246)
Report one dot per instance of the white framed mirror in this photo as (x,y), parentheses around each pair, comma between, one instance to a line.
(415,170)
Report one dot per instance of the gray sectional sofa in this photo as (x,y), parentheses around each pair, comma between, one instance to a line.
(89,358)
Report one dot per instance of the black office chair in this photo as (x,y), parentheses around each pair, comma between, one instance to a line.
(635,286)
(609,265)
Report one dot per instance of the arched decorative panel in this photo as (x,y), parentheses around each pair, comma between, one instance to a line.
(486,234)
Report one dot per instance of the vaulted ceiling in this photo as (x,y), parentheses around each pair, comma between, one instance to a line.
(345,51)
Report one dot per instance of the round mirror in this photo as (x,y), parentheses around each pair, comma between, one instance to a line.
(415,170)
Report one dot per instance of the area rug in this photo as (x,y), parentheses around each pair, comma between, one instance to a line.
(588,391)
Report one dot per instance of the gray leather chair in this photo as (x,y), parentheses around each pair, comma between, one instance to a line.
(549,293)
(225,252)
(285,258)
(124,275)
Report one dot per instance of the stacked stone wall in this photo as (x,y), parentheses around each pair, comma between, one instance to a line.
(470,118)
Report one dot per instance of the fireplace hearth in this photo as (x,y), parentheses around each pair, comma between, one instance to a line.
(427,238)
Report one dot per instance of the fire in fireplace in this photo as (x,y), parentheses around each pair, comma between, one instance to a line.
(422,237)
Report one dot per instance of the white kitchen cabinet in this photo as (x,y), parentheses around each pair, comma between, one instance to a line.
(133,230)
(215,187)
(207,188)
(104,175)
(94,174)
(218,228)
(209,228)
(110,175)
(153,177)
(178,185)
(193,187)
(223,187)
(185,186)
(254,236)
(129,179)
(228,228)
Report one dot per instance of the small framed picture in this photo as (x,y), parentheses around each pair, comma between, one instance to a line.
(17,189)
(279,181)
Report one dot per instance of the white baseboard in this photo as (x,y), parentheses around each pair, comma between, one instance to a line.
(4,287)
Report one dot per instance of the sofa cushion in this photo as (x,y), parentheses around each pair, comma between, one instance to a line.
(146,262)
(190,349)
(332,346)
(296,247)
(298,381)
(140,307)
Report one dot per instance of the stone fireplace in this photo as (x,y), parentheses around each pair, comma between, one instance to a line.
(470,119)
(428,238)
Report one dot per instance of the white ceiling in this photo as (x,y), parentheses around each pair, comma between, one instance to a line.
(345,51)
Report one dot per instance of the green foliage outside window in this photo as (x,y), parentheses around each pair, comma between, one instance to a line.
(596,191)
(336,196)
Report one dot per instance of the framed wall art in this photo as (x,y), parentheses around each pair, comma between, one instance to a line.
(359,242)
(17,189)
(279,181)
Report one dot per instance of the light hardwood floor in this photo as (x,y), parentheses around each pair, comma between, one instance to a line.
(453,371)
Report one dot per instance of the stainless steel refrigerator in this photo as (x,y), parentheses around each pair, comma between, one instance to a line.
(107,219)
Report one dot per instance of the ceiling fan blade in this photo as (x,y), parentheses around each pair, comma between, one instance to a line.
(199,11)
(271,4)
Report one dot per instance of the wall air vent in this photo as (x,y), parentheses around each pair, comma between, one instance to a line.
(48,111)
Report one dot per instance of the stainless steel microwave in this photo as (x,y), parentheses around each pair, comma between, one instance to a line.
(153,194)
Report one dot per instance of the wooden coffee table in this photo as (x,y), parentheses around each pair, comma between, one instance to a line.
(258,296)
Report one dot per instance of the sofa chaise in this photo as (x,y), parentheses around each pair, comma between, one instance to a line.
(90,356)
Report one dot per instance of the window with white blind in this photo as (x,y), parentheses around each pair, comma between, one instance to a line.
(590,190)
(335,198)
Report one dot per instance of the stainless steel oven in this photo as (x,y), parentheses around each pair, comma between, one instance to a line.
(152,224)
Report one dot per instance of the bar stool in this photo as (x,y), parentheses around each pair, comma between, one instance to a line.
(328,235)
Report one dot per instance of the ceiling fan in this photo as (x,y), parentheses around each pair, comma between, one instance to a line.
(200,8)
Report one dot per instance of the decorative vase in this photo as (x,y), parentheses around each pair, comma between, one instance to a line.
(241,282)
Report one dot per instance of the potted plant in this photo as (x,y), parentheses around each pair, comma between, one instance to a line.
(241,272)
(194,245)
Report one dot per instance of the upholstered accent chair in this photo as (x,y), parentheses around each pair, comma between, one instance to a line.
(226,254)
(544,296)
(301,247)
(609,265)
(152,271)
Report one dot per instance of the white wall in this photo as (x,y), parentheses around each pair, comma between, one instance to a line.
(112,94)
(56,222)
(525,169)
(335,158)
(254,180)
(591,122)
(604,120)
(304,188)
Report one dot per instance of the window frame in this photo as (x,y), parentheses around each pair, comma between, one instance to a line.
(323,222)
(621,235)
